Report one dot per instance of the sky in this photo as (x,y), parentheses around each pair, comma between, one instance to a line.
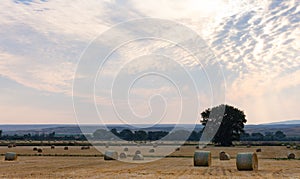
(170,61)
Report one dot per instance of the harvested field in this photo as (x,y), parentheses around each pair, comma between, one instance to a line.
(83,167)
(268,152)
(74,164)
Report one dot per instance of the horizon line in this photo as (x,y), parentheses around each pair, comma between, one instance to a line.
(133,124)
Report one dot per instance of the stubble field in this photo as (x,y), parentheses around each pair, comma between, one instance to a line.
(77,163)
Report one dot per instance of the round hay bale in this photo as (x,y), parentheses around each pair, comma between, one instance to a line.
(227,156)
(258,150)
(151,151)
(10,146)
(197,147)
(52,146)
(126,149)
(155,145)
(202,158)
(177,149)
(138,152)
(248,146)
(34,149)
(14,145)
(123,155)
(138,157)
(39,150)
(247,161)
(10,156)
(66,148)
(111,155)
(288,146)
(295,147)
(291,156)
(224,156)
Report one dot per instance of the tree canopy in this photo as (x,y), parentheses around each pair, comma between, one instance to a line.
(231,121)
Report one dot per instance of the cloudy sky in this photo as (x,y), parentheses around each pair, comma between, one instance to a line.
(254,44)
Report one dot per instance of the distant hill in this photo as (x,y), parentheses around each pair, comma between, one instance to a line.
(69,129)
(288,129)
(17,127)
(75,129)
(284,122)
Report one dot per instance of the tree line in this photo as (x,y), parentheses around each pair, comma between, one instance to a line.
(141,135)
(224,122)
(42,137)
(268,136)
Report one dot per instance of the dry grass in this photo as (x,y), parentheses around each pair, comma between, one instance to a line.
(82,167)
(179,167)
(268,152)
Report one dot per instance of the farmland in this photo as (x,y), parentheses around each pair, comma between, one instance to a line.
(77,163)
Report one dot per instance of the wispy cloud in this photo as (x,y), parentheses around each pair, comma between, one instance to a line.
(260,47)
(256,42)
(56,77)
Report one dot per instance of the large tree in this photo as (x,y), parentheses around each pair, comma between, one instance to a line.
(230,122)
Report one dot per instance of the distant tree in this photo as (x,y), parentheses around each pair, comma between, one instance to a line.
(279,135)
(140,135)
(103,134)
(231,121)
(27,136)
(257,136)
(156,135)
(245,136)
(115,132)
(195,136)
(180,135)
(51,135)
(0,134)
(126,134)
(269,136)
